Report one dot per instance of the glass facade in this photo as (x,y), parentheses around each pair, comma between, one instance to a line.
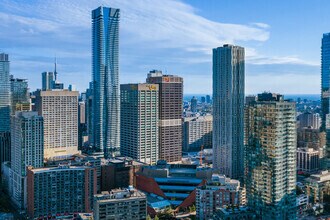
(105,68)
(325,90)
(4,93)
(228,110)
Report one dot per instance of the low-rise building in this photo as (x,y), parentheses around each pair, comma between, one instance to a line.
(120,204)
(218,193)
(175,182)
(235,213)
(317,185)
(119,172)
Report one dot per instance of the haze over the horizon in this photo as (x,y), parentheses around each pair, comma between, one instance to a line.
(177,37)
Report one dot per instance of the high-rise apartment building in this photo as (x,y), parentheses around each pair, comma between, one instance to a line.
(197,132)
(20,97)
(120,204)
(270,138)
(170,114)
(105,69)
(139,122)
(27,149)
(60,191)
(4,93)
(325,88)
(4,109)
(59,110)
(228,110)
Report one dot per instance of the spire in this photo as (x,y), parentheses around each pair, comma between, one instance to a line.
(55,72)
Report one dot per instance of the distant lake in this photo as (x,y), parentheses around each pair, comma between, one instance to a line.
(313,97)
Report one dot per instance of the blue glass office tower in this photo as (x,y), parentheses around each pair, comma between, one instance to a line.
(228,110)
(5,99)
(105,69)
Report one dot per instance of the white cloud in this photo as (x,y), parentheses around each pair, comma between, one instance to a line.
(153,33)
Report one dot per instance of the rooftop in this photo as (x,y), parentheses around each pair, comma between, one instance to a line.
(116,195)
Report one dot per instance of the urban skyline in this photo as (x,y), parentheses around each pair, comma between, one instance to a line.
(139,150)
(268,54)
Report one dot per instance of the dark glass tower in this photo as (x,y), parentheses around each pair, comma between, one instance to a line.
(105,69)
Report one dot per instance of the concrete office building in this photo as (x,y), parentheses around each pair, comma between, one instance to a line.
(139,122)
(271,144)
(27,149)
(105,70)
(197,132)
(218,193)
(59,191)
(120,204)
(228,110)
(170,114)
(59,110)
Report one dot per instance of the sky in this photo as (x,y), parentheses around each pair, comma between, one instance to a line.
(282,40)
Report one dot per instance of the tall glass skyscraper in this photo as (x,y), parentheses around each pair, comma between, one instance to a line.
(228,110)
(325,90)
(105,69)
(4,93)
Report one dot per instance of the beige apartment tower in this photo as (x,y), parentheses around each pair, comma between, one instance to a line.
(59,108)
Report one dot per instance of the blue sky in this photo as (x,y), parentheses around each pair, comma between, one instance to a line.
(282,40)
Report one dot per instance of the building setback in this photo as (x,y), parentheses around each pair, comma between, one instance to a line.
(139,122)
(59,191)
(105,70)
(271,145)
(59,108)
(228,110)
(170,114)
(120,204)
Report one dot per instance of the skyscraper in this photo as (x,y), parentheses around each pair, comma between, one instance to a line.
(105,69)
(270,157)
(325,90)
(4,108)
(193,104)
(139,122)
(48,79)
(170,114)
(27,149)
(228,110)
(20,97)
(60,112)
(4,93)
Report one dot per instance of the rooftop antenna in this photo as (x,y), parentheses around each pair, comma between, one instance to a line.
(55,71)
